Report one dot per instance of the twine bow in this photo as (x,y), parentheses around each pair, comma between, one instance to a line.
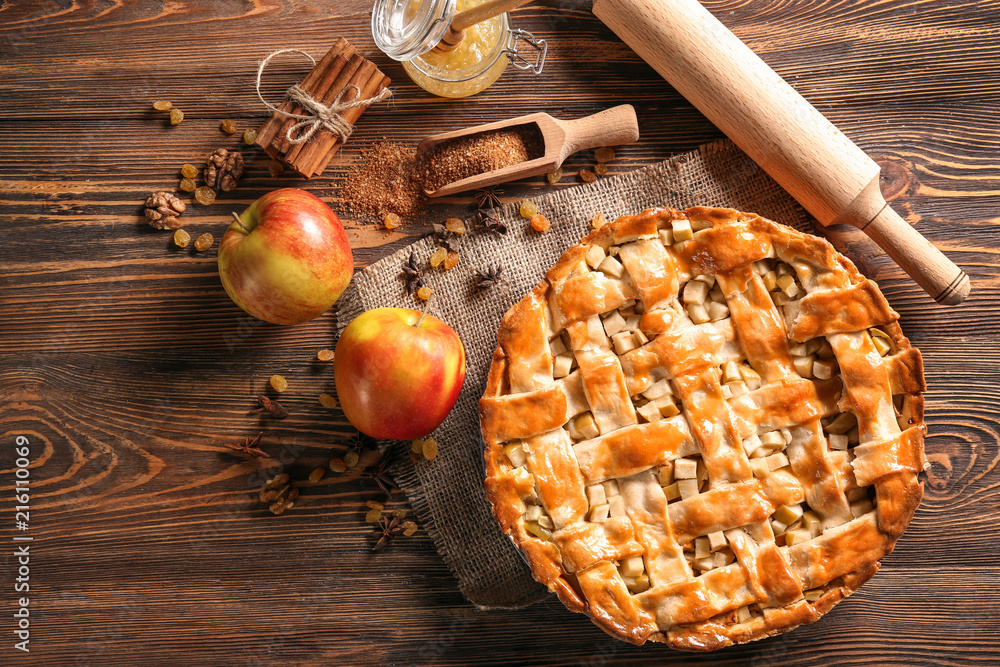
(319,115)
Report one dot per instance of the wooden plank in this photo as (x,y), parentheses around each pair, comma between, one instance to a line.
(923,55)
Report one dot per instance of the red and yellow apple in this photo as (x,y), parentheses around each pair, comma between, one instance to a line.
(398,372)
(285,259)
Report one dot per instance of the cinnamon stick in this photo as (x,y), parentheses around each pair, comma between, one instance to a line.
(344,77)
(375,85)
(326,144)
(273,124)
(341,67)
(317,91)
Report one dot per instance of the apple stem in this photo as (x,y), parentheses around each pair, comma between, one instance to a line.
(239,221)
(427,306)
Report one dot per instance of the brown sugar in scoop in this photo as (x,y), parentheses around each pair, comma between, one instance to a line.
(462,157)
(535,144)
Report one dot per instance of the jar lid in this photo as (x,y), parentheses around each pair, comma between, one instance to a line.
(405,29)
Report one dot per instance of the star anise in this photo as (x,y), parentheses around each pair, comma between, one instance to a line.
(488,197)
(250,446)
(272,408)
(445,237)
(379,472)
(488,278)
(413,274)
(441,232)
(489,219)
(360,442)
(390,528)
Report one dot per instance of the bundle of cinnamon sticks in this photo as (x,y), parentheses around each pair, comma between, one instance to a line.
(338,69)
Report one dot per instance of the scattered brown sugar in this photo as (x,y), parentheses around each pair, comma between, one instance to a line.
(384,183)
(475,154)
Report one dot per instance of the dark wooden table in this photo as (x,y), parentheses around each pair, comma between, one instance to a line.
(127,368)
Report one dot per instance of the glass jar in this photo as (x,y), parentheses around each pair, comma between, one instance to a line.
(408,31)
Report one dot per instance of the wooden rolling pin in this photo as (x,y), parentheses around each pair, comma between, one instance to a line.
(792,141)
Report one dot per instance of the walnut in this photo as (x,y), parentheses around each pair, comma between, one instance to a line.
(224,169)
(163,210)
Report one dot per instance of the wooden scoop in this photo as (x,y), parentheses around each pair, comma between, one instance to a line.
(561,138)
(813,160)
(470,17)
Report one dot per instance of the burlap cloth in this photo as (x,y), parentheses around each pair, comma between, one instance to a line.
(447,493)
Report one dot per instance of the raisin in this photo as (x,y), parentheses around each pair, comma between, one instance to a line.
(554,176)
(600,169)
(337,464)
(176,116)
(187,185)
(181,238)
(539,223)
(439,256)
(373,516)
(328,401)
(528,208)
(162,105)
(417,446)
(430,449)
(228,126)
(189,171)
(424,293)
(409,528)
(391,221)
(450,261)
(454,225)
(275,168)
(605,154)
(587,176)
(374,505)
(204,242)
(249,137)
(325,355)
(278,383)
(316,475)
(598,221)
(204,195)
(351,459)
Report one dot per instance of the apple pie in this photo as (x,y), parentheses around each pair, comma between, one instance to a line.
(703,428)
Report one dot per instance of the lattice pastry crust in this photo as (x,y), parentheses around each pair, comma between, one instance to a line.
(703,428)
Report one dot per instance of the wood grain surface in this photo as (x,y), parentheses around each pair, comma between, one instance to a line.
(128,368)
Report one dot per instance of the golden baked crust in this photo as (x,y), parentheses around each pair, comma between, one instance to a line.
(703,428)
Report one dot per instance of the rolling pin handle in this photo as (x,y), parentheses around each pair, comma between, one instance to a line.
(939,276)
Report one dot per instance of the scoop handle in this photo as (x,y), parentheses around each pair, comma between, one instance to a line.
(611,127)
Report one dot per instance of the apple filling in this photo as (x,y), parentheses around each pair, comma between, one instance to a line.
(703,300)
(633,571)
(708,552)
(536,521)
(605,502)
(683,478)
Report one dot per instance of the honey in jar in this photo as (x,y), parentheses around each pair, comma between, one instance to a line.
(408,31)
